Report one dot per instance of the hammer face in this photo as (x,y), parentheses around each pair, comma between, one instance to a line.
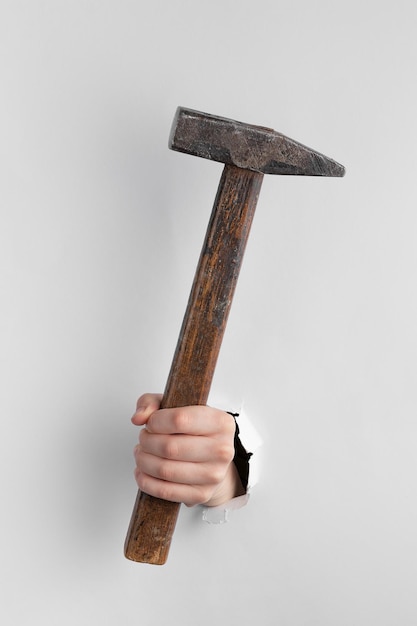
(246,146)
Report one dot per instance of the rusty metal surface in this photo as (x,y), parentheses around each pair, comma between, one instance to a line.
(246,146)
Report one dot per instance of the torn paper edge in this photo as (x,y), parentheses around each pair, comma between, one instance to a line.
(251,441)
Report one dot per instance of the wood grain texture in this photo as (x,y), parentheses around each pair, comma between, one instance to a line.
(153,521)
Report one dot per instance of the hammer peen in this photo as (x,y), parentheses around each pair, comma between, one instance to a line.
(248,153)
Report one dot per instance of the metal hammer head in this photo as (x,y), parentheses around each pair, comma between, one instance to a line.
(246,146)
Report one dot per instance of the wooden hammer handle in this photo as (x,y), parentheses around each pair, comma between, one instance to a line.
(153,520)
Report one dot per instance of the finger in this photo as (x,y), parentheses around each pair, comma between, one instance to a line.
(191,420)
(190,495)
(181,472)
(147,404)
(188,448)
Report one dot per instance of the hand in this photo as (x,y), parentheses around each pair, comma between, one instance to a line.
(185,454)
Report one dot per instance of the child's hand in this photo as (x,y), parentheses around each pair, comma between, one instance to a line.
(185,454)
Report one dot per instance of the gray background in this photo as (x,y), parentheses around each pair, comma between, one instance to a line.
(101,226)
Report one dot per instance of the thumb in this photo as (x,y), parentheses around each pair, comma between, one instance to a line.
(145,406)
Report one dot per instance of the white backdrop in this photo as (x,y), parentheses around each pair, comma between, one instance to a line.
(101,226)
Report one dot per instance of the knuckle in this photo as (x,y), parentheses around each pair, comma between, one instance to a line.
(166,472)
(215,475)
(229,424)
(203,494)
(226,452)
(225,424)
(170,448)
(181,421)
(165,492)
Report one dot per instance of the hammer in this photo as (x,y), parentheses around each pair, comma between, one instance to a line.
(248,153)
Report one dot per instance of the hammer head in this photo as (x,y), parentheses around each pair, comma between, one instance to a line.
(244,145)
